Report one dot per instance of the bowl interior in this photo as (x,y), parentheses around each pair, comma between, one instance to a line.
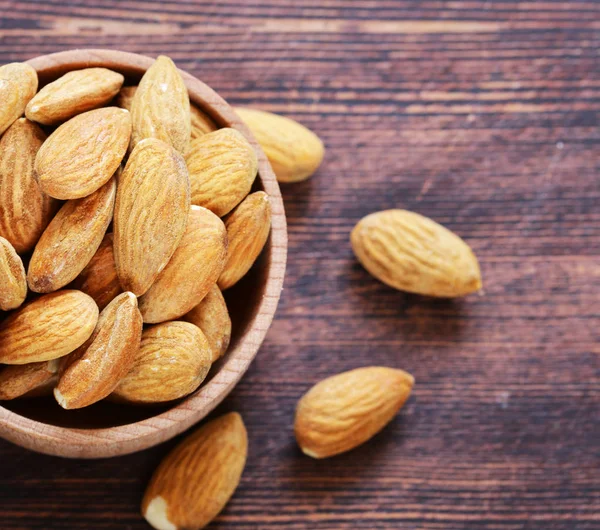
(251,303)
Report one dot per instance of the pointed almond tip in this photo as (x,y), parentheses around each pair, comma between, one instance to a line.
(61,399)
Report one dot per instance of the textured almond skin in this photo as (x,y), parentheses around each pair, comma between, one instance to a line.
(27,380)
(294,151)
(190,273)
(201,122)
(344,411)
(222,166)
(50,327)
(151,212)
(172,361)
(83,153)
(71,240)
(13,283)
(75,92)
(212,317)
(197,479)
(18,84)
(25,210)
(412,253)
(248,228)
(161,106)
(96,368)
(99,278)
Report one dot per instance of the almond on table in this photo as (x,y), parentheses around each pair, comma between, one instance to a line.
(197,479)
(344,411)
(294,151)
(412,253)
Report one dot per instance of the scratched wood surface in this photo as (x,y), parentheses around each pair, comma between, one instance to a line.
(482,115)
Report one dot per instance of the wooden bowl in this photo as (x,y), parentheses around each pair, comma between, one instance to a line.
(107,429)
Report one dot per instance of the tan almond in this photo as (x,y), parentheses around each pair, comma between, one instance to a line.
(18,84)
(25,210)
(412,253)
(71,240)
(161,106)
(201,123)
(151,213)
(97,367)
(293,150)
(248,228)
(50,327)
(28,380)
(222,166)
(99,278)
(196,480)
(125,97)
(83,153)
(172,361)
(212,317)
(191,272)
(344,411)
(13,282)
(75,92)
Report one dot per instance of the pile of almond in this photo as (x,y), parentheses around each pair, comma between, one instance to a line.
(157,276)
(124,212)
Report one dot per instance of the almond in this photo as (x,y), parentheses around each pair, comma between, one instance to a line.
(83,153)
(197,479)
(212,317)
(248,228)
(201,122)
(13,283)
(172,361)
(294,151)
(99,278)
(96,368)
(71,240)
(344,411)
(18,84)
(50,327)
(25,210)
(413,253)
(28,380)
(125,97)
(151,212)
(222,166)
(161,106)
(75,92)
(191,272)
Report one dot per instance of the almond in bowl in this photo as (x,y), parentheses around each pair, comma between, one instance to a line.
(152,213)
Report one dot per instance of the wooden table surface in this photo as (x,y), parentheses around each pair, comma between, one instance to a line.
(482,115)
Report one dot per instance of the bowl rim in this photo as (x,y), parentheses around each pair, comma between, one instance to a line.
(129,438)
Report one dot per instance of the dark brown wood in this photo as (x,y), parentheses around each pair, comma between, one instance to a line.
(481,115)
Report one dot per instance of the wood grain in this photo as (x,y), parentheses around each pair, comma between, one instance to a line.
(480,115)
